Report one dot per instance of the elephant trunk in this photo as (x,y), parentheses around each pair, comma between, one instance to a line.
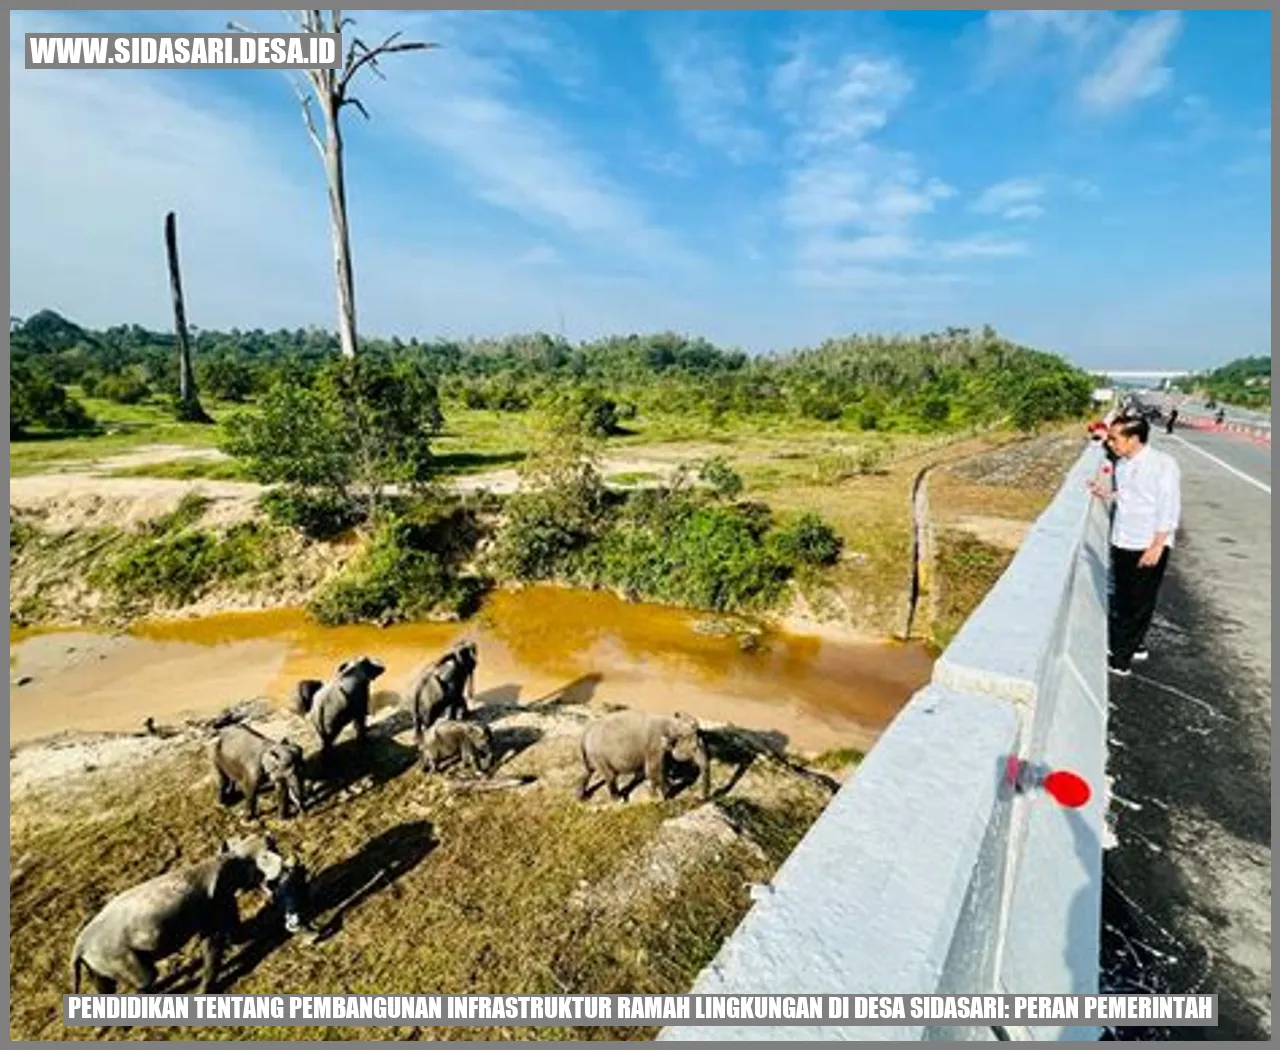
(297,791)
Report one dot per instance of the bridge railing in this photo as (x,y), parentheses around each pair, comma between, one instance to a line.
(927,873)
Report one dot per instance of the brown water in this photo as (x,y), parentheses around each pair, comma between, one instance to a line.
(534,644)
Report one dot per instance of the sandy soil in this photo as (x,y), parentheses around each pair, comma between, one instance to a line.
(81,494)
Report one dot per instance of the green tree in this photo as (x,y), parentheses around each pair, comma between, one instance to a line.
(35,401)
(366,423)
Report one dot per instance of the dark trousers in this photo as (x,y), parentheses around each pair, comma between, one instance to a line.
(1133,601)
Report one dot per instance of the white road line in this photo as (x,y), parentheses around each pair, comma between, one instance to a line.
(1223,464)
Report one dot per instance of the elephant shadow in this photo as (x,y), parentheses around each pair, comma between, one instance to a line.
(495,704)
(740,748)
(379,757)
(503,701)
(510,741)
(577,693)
(336,890)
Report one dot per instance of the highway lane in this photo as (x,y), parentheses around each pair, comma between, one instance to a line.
(1187,901)
(1236,450)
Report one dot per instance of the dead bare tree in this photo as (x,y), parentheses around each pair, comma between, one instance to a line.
(189,407)
(330,90)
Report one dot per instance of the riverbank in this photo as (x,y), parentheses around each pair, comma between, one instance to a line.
(67,521)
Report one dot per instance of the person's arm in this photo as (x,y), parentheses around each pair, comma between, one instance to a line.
(1168,511)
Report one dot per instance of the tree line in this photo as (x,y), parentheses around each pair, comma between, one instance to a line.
(1246,382)
(937,381)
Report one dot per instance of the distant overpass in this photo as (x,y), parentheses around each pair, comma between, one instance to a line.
(1145,375)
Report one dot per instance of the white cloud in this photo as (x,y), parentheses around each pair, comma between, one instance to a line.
(1086,189)
(863,186)
(982,246)
(1112,61)
(841,102)
(1013,41)
(855,207)
(1135,68)
(1012,199)
(512,156)
(708,85)
(1023,212)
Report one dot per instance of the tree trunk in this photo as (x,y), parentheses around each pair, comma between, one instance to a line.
(341,233)
(189,407)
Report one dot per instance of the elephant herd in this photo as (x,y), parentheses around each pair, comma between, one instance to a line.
(157,918)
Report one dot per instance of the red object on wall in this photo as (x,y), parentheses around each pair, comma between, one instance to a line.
(1064,787)
(1067,789)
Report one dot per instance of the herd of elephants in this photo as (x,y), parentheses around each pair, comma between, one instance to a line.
(139,927)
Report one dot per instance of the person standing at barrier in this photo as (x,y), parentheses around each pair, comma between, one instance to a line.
(1173,418)
(1148,505)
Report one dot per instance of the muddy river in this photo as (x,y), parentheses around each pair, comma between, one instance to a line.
(535,644)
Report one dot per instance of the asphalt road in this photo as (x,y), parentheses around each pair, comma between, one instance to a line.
(1187,895)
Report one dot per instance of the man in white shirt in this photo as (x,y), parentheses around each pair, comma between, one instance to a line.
(1148,505)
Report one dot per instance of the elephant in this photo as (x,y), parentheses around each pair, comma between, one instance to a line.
(342,701)
(441,690)
(151,921)
(245,759)
(629,742)
(303,693)
(470,744)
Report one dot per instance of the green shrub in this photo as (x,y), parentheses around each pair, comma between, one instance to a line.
(318,514)
(396,578)
(177,567)
(36,401)
(125,388)
(190,509)
(725,482)
(706,557)
(543,530)
(807,541)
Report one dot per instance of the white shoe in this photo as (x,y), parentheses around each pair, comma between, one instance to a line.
(1141,655)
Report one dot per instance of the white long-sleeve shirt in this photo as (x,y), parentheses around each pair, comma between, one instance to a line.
(1148,499)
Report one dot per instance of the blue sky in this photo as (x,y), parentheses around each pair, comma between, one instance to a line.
(1093,183)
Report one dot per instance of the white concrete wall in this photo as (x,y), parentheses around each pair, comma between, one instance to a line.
(925,873)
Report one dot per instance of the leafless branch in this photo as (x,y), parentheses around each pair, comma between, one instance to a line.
(387,47)
(358,104)
(313,133)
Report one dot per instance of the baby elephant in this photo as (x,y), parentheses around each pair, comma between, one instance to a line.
(137,928)
(249,761)
(471,744)
(631,742)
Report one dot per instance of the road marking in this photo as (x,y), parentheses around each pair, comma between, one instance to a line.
(1224,464)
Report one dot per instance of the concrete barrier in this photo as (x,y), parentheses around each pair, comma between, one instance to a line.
(927,872)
